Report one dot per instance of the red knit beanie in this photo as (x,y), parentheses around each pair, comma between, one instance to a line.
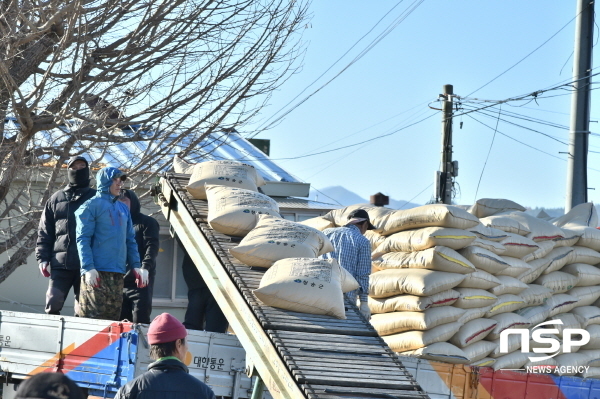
(165,328)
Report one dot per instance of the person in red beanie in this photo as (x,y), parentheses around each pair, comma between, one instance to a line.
(168,377)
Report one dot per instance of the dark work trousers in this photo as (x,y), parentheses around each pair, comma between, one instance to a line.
(61,281)
(137,303)
(203,309)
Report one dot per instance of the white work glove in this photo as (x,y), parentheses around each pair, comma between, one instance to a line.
(44,269)
(92,278)
(141,277)
(364,310)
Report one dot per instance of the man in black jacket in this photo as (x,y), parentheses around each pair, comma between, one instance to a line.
(137,302)
(167,377)
(56,247)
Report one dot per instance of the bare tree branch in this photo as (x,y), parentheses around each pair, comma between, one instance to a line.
(127,83)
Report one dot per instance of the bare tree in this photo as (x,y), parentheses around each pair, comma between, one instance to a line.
(144,79)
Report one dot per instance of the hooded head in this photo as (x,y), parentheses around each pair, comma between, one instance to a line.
(105,177)
(78,177)
(134,202)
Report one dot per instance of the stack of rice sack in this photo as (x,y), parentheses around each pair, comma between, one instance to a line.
(296,279)
(558,276)
(416,269)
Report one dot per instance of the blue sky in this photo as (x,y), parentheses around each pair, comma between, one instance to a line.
(465,43)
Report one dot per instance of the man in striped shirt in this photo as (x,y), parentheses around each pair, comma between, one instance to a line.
(353,251)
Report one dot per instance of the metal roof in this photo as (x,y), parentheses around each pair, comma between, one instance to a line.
(221,145)
(300,203)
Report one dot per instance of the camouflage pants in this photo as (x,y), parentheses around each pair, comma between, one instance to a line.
(103,302)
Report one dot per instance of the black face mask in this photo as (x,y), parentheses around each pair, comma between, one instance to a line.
(79,178)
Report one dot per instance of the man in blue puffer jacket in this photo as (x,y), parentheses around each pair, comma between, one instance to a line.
(107,248)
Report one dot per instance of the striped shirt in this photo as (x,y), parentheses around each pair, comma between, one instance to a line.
(353,252)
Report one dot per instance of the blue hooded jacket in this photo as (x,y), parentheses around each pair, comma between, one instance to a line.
(105,235)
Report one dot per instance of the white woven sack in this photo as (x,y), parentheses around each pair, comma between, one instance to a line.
(580,215)
(533,314)
(428,237)
(490,206)
(594,331)
(411,340)
(474,298)
(540,230)
(478,350)
(591,372)
(585,255)
(348,281)
(377,214)
(518,246)
(558,282)
(506,224)
(181,166)
(440,352)
(474,313)
(224,173)
(479,279)
(436,258)
(412,303)
(420,282)
(560,303)
(536,294)
(492,246)
(512,361)
(593,356)
(569,363)
(589,314)
(536,268)
(473,331)
(303,285)
(507,321)
(483,259)
(434,215)
(234,211)
(397,322)
(510,285)
(569,320)
(558,258)
(544,249)
(514,344)
(586,295)
(506,303)
(571,238)
(589,237)
(516,267)
(485,362)
(539,363)
(274,239)
(487,233)
(374,238)
(320,223)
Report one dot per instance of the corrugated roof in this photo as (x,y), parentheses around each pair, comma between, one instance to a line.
(227,145)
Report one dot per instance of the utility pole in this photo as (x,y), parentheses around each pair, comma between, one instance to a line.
(580,106)
(443,192)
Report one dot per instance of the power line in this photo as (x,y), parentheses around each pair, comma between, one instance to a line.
(342,147)
(518,141)
(527,56)
(420,192)
(332,65)
(380,37)
(488,154)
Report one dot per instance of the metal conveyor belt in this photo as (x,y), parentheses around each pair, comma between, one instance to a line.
(297,355)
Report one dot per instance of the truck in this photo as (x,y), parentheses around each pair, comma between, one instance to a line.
(273,352)
(102,355)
